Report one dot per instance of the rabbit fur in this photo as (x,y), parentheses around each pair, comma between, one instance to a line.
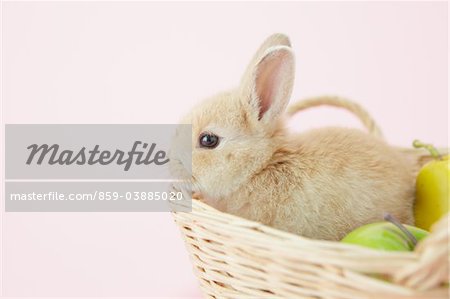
(320,184)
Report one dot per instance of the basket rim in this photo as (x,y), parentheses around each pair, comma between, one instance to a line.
(206,211)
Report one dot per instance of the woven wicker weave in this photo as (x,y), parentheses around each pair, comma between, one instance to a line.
(238,258)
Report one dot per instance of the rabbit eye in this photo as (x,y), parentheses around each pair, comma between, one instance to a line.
(208,140)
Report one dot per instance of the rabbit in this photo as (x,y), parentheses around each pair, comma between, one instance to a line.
(319,184)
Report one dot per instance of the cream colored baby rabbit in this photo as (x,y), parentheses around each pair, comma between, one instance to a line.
(320,184)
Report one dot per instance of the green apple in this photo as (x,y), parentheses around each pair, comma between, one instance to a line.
(432,189)
(385,236)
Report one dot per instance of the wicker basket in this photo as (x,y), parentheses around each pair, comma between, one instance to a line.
(238,258)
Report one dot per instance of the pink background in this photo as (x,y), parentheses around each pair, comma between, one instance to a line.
(113,62)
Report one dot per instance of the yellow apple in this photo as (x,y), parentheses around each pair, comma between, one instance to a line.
(432,184)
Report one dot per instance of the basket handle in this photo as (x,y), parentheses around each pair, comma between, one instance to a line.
(339,102)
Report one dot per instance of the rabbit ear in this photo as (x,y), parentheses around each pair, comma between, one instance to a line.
(277,39)
(268,86)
